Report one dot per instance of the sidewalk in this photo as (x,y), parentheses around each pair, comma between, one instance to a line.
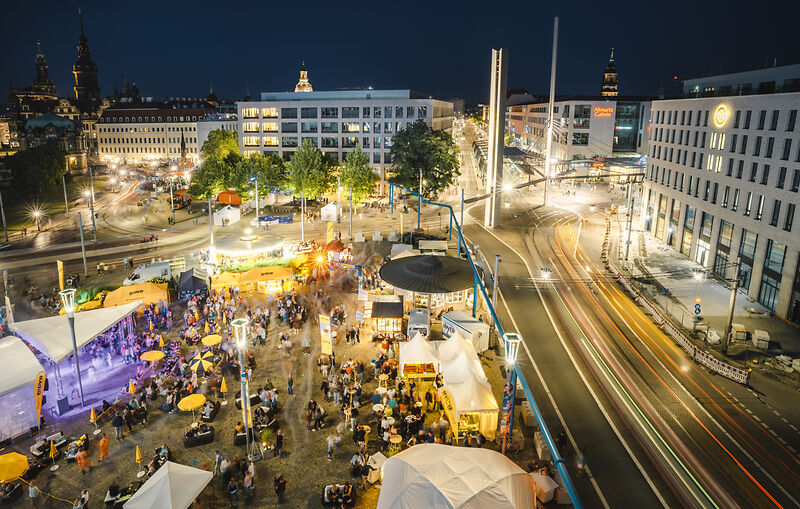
(673,271)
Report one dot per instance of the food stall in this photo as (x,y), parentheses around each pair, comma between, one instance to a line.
(418,358)
(386,316)
(471,407)
(148,293)
(272,279)
(225,280)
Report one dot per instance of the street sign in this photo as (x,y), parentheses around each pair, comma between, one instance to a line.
(698,300)
(697,309)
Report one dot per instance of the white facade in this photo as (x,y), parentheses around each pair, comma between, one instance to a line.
(336,121)
(224,121)
(723,177)
(583,128)
(148,134)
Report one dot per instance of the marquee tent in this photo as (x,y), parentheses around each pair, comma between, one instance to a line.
(437,476)
(461,369)
(192,280)
(452,348)
(51,335)
(329,212)
(418,357)
(266,279)
(227,215)
(144,293)
(173,486)
(224,280)
(18,386)
(471,406)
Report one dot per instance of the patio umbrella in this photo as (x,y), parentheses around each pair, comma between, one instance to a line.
(192,402)
(201,361)
(131,388)
(12,466)
(152,355)
(334,245)
(428,274)
(161,343)
(206,328)
(211,340)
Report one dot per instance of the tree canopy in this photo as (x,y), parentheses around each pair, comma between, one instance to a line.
(37,170)
(308,171)
(418,147)
(219,144)
(358,175)
(269,172)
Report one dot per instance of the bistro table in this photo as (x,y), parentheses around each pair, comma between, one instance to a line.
(394,443)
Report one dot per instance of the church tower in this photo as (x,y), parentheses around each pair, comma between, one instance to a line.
(42,84)
(609,88)
(303,85)
(87,91)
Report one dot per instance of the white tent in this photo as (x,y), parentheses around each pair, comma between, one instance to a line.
(20,372)
(329,212)
(418,351)
(452,348)
(173,486)
(436,476)
(461,369)
(52,336)
(227,215)
(475,397)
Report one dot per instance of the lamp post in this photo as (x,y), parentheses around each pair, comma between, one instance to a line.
(90,194)
(172,199)
(68,300)
(240,332)
(37,214)
(3,213)
(212,255)
(511,342)
(66,201)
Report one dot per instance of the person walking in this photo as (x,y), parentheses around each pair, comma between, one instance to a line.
(247,484)
(217,462)
(84,461)
(33,493)
(117,423)
(580,460)
(103,447)
(290,384)
(233,492)
(280,487)
(279,443)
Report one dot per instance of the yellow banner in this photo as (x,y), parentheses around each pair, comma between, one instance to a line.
(38,392)
(330,231)
(60,266)
(326,344)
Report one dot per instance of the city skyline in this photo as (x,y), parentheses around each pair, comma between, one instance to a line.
(405,50)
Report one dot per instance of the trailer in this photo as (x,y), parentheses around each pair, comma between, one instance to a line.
(469,327)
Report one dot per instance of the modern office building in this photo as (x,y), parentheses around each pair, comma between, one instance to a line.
(722,183)
(584,127)
(132,132)
(336,121)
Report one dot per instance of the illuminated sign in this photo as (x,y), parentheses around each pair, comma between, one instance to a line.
(602,112)
(720,115)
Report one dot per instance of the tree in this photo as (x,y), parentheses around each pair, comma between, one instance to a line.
(418,147)
(37,170)
(308,172)
(357,174)
(219,144)
(269,173)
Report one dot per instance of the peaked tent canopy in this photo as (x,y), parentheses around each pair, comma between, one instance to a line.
(418,351)
(173,486)
(192,280)
(20,365)
(52,336)
(144,293)
(452,348)
(472,396)
(460,369)
(437,476)
(20,376)
(428,274)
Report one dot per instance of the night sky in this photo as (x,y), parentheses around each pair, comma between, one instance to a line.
(441,48)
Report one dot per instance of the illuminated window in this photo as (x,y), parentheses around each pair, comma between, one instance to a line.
(350,127)
(422,111)
(268,112)
(248,153)
(246,113)
(250,127)
(270,141)
(269,127)
(251,141)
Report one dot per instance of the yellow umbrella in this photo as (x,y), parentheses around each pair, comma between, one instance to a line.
(196,314)
(92,416)
(151,324)
(161,343)
(152,355)
(192,402)
(131,388)
(206,328)
(223,388)
(211,340)
(53,450)
(12,466)
(201,362)
(138,454)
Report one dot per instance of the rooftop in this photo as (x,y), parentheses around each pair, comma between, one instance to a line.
(343,95)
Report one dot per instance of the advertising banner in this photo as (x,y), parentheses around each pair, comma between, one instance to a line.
(326,343)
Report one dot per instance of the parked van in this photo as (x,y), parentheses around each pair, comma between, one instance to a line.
(419,322)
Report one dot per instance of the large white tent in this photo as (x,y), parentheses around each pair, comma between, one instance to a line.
(51,335)
(418,351)
(461,369)
(452,348)
(475,397)
(436,476)
(20,372)
(173,486)
(227,215)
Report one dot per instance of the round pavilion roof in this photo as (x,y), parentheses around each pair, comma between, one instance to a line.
(428,274)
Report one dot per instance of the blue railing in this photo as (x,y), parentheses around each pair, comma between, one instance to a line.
(548,437)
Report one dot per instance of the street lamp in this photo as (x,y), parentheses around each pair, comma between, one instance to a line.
(68,300)
(37,214)
(240,332)
(254,179)
(545,273)
(89,195)
(511,342)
